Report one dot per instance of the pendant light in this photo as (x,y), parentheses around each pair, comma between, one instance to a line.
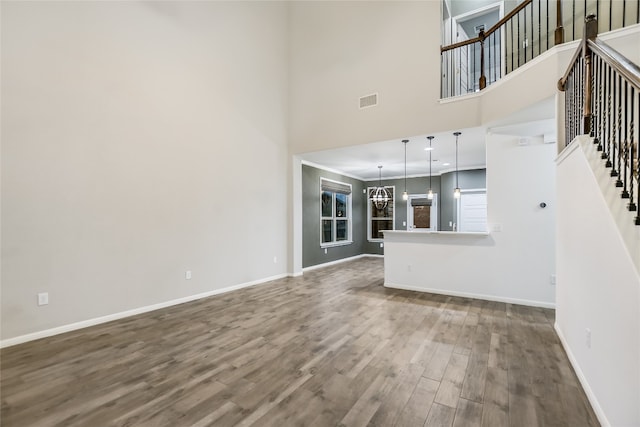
(456,191)
(405,195)
(430,192)
(380,196)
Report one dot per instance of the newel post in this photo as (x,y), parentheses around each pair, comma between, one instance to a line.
(559,34)
(590,33)
(483,79)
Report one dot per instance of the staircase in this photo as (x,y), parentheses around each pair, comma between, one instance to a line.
(598,227)
(602,100)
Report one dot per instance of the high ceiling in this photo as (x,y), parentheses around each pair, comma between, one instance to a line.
(361,161)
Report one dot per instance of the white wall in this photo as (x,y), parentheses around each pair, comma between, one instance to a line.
(514,264)
(139,140)
(341,51)
(598,288)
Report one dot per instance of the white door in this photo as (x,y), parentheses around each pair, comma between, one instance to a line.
(472,211)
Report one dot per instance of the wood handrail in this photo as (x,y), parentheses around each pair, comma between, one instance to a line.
(491,30)
(617,61)
(562,83)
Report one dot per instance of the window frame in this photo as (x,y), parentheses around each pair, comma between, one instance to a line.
(348,218)
(370,218)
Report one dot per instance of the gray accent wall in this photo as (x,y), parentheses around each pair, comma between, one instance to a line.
(312,253)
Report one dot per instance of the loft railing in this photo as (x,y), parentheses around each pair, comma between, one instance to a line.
(602,99)
(528,30)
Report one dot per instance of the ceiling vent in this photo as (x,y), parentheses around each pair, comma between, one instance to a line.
(369,101)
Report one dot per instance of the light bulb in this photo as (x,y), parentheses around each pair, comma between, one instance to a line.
(405,196)
(456,193)
(430,194)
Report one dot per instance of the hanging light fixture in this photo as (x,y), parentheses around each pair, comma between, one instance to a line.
(405,195)
(430,192)
(380,196)
(456,191)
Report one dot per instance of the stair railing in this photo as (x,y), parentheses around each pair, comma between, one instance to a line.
(525,32)
(602,99)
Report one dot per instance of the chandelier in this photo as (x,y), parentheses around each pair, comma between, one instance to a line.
(380,195)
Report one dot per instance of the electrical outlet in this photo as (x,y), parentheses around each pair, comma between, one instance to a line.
(496,228)
(552,280)
(187,274)
(275,259)
(382,245)
(587,337)
(325,250)
(43,298)
(404,223)
(409,267)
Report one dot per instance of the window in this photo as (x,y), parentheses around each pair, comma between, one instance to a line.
(380,219)
(335,213)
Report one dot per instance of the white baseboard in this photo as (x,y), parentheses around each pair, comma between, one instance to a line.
(475,296)
(110,317)
(602,418)
(340,261)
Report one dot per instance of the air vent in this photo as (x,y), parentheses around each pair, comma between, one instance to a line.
(369,101)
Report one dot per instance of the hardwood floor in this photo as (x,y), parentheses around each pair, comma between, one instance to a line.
(333,347)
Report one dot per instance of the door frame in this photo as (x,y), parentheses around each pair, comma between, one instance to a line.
(458,202)
(433,214)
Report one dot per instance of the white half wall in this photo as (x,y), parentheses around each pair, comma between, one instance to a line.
(515,262)
(139,140)
(598,288)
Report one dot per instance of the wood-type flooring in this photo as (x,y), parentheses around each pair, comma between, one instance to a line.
(330,348)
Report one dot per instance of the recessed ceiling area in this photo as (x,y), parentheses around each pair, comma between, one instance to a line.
(361,161)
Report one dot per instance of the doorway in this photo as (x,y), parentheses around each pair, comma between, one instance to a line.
(472,211)
(422,213)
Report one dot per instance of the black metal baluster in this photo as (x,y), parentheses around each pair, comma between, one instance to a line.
(612,120)
(581,88)
(616,129)
(570,109)
(547,32)
(577,123)
(625,155)
(573,17)
(452,75)
(460,73)
(532,40)
(634,154)
(539,27)
(610,13)
(525,35)
(472,79)
(624,11)
(569,116)
(512,49)
(495,58)
(518,39)
(607,113)
(598,139)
